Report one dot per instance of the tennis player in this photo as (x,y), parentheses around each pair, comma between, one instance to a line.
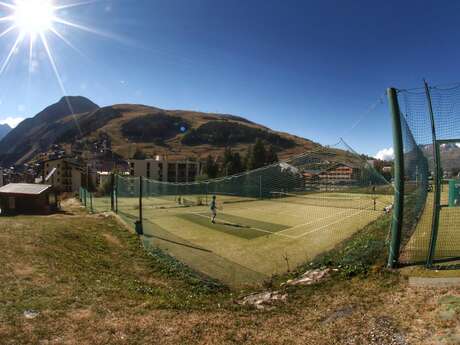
(213,208)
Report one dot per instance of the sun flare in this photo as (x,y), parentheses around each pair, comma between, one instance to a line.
(36,20)
(34,17)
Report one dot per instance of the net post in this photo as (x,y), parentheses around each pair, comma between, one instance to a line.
(437,180)
(112,195)
(396,224)
(116,193)
(140,202)
(260,187)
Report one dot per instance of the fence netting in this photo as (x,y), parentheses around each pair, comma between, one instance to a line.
(97,201)
(420,147)
(268,221)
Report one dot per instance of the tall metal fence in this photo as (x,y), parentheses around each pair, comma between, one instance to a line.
(243,229)
(426,226)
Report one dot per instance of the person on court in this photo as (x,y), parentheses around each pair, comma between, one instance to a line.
(213,208)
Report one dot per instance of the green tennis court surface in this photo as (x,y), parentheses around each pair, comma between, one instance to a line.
(265,237)
(234,225)
(448,241)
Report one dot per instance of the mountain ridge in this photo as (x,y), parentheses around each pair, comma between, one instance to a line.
(36,133)
(4,130)
(127,128)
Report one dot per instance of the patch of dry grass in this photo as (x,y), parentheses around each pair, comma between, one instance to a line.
(92,284)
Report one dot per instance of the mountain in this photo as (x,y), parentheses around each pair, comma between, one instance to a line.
(4,130)
(127,128)
(36,134)
(450,156)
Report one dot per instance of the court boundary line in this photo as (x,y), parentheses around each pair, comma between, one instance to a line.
(327,225)
(314,221)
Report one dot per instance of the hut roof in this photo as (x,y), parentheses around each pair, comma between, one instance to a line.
(24,189)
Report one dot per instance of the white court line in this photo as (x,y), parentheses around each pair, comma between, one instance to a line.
(250,227)
(325,226)
(315,221)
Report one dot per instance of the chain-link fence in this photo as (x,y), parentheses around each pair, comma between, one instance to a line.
(428,153)
(245,228)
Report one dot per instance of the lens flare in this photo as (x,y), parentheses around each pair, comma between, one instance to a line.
(34,17)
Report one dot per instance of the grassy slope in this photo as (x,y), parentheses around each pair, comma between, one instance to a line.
(174,148)
(92,285)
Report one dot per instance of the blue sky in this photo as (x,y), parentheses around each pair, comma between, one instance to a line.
(312,68)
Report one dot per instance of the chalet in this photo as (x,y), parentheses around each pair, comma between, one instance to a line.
(25,198)
(341,173)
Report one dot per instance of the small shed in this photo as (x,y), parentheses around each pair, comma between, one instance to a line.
(25,198)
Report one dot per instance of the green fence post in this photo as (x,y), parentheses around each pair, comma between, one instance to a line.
(112,196)
(260,187)
(85,194)
(397,221)
(91,202)
(140,203)
(116,193)
(437,180)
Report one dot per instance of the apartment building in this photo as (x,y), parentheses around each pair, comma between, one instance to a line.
(164,170)
(64,174)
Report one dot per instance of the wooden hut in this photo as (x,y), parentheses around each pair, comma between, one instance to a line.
(24,198)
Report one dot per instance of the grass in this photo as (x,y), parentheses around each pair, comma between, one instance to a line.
(364,250)
(92,283)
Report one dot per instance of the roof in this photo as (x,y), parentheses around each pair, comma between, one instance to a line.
(70,160)
(24,189)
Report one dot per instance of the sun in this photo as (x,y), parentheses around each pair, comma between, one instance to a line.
(36,20)
(34,17)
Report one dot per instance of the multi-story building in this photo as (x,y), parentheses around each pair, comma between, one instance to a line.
(64,174)
(164,170)
(13,176)
(341,173)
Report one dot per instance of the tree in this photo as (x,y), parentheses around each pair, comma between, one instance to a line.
(247,158)
(211,168)
(228,159)
(271,156)
(257,158)
(139,154)
(237,164)
(232,163)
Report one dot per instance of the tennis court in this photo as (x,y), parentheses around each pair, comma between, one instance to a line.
(448,239)
(252,239)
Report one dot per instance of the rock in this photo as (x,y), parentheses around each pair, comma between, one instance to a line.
(450,307)
(264,300)
(447,315)
(31,314)
(338,314)
(310,277)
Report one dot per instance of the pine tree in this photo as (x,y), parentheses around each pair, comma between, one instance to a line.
(228,160)
(211,168)
(271,157)
(258,155)
(247,159)
(237,164)
(139,154)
